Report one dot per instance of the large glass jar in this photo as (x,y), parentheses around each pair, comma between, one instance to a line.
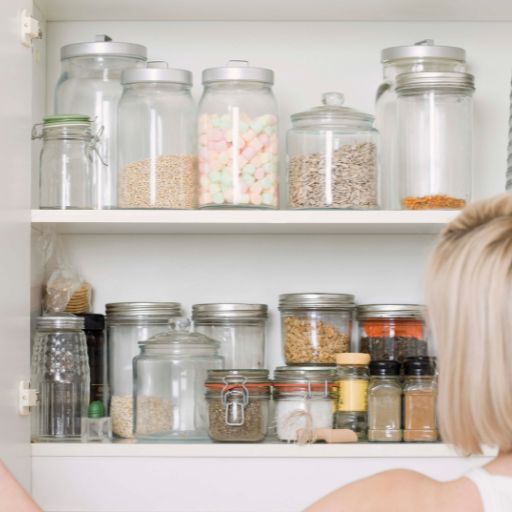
(129,323)
(240,329)
(392,331)
(238,138)
(238,405)
(157,163)
(60,377)
(435,120)
(90,85)
(332,157)
(421,56)
(169,376)
(304,401)
(315,326)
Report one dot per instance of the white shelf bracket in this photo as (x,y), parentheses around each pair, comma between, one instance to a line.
(27,398)
(29,28)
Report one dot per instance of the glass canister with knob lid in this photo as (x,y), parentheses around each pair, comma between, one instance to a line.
(238,138)
(332,157)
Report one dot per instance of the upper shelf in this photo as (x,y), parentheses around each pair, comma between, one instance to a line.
(272,10)
(242,221)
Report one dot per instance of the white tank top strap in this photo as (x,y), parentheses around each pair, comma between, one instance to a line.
(495,490)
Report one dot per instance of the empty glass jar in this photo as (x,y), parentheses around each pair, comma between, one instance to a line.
(332,157)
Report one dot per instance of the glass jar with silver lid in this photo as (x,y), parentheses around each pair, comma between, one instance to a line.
(316,327)
(240,329)
(129,323)
(238,138)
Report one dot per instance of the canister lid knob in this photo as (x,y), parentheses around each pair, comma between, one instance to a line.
(335,99)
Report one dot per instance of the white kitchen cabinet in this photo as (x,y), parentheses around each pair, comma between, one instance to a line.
(201,256)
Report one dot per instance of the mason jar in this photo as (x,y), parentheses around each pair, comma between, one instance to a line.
(238,405)
(157,162)
(240,329)
(332,158)
(435,120)
(315,327)
(422,56)
(304,401)
(90,84)
(129,323)
(238,138)
(60,376)
(169,376)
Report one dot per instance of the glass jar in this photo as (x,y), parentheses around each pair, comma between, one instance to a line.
(157,163)
(65,163)
(435,118)
(238,405)
(129,323)
(392,331)
(385,402)
(422,56)
(315,326)
(332,158)
(238,138)
(303,401)
(351,389)
(169,376)
(60,377)
(90,85)
(240,329)
(420,397)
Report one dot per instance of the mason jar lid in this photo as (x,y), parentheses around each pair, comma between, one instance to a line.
(103,46)
(423,49)
(65,321)
(304,374)
(334,301)
(136,312)
(50,121)
(368,311)
(332,111)
(157,71)
(238,70)
(408,82)
(228,311)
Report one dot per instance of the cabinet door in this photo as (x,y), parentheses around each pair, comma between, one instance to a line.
(15,125)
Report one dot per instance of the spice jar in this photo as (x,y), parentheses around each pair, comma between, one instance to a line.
(315,326)
(304,400)
(169,376)
(129,323)
(238,405)
(157,162)
(392,331)
(90,85)
(384,402)
(332,157)
(419,57)
(240,329)
(435,120)
(351,390)
(238,145)
(60,377)
(420,394)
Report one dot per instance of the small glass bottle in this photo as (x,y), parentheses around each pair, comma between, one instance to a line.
(420,393)
(351,388)
(96,427)
(385,402)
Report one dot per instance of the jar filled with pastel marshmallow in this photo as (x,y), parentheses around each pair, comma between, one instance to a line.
(238,138)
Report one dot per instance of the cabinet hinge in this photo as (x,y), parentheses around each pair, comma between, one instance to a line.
(29,28)
(27,398)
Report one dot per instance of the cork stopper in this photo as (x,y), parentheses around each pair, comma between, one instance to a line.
(352,358)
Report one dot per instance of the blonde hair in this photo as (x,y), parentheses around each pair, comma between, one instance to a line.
(470,310)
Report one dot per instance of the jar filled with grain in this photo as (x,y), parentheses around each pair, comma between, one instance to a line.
(315,327)
(238,405)
(157,162)
(332,158)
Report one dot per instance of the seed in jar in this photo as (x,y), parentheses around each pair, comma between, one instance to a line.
(154,415)
(121,412)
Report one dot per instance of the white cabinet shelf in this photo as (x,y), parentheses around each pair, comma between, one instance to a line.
(242,221)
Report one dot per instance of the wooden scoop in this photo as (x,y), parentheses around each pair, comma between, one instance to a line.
(329,435)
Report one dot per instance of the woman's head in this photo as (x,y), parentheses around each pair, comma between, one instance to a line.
(470,309)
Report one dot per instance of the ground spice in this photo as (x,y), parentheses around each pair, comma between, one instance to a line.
(420,416)
(397,348)
(433,202)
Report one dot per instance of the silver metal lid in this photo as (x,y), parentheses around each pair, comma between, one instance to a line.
(414,311)
(407,82)
(228,311)
(157,71)
(238,70)
(423,49)
(241,376)
(304,374)
(143,309)
(63,321)
(104,46)
(317,301)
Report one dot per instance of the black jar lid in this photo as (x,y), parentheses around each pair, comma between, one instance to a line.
(419,366)
(93,321)
(385,368)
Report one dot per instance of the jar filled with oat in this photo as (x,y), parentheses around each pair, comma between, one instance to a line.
(316,327)
(332,158)
(157,162)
